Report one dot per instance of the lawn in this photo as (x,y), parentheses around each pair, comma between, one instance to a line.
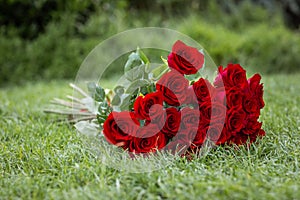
(40,159)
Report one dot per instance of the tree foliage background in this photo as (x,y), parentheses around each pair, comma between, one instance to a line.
(47,39)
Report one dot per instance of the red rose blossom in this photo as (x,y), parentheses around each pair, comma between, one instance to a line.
(157,115)
(252,126)
(183,140)
(200,136)
(256,89)
(218,112)
(173,87)
(234,96)
(172,123)
(205,112)
(214,132)
(142,105)
(219,95)
(241,138)
(224,137)
(211,112)
(251,105)
(235,120)
(203,90)
(185,59)
(147,130)
(233,75)
(189,118)
(119,128)
(146,144)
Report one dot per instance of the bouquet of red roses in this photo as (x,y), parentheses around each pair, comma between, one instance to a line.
(172,107)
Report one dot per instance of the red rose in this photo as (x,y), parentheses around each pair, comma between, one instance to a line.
(258,134)
(214,132)
(218,112)
(252,125)
(189,118)
(185,59)
(142,105)
(224,137)
(157,116)
(205,112)
(172,123)
(239,139)
(261,133)
(145,143)
(200,136)
(183,140)
(173,87)
(242,138)
(251,105)
(234,96)
(235,120)
(147,130)
(257,89)
(233,75)
(212,112)
(203,90)
(219,95)
(119,127)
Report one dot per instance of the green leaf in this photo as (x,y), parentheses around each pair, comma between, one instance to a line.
(100,94)
(103,111)
(137,84)
(119,89)
(144,90)
(147,68)
(125,104)
(136,73)
(102,107)
(142,56)
(158,72)
(101,119)
(96,92)
(165,61)
(133,61)
(116,100)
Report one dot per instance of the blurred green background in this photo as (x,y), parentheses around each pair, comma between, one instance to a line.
(48,39)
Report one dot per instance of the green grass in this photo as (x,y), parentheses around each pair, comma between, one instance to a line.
(40,159)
